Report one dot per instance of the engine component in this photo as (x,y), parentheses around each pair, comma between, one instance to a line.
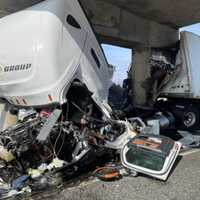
(137,124)
(46,129)
(23,114)
(21,137)
(123,138)
(165,119)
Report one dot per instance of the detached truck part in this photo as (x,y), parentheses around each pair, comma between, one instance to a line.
(44,50)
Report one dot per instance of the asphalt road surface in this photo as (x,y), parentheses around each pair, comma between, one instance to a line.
(183,184)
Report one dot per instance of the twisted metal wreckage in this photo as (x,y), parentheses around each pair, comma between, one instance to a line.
(46,149)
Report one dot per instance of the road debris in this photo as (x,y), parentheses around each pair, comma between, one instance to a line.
(31,164)
(34,158)
(108,173)
(151,155)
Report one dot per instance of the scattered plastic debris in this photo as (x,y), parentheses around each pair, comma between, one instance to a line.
(6,155)
(36,164)
(19,182)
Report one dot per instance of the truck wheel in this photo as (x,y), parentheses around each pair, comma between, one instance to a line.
(191,119)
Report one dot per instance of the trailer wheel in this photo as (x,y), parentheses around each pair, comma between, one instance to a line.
(191,119)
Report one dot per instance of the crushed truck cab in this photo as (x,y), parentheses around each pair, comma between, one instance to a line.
(44,49)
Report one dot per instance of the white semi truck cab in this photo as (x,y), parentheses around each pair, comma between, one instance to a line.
(44,49)
(54,83)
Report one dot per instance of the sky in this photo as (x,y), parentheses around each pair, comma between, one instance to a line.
(121,57)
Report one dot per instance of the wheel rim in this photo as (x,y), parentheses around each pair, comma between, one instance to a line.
(189,119)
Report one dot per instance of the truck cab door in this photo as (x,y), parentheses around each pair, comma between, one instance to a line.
(95,70)
(74,36)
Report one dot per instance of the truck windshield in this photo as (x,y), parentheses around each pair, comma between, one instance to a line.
(145,158)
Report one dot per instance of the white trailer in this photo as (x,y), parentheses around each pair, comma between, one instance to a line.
(182,88)
(185,83)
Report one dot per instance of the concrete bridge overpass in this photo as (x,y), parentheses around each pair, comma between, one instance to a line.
(130,22)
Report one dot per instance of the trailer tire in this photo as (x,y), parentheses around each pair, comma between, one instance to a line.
(191,119)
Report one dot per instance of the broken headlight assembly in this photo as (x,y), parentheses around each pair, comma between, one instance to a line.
(151,155)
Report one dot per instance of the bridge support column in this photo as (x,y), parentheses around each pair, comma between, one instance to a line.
(140,75)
